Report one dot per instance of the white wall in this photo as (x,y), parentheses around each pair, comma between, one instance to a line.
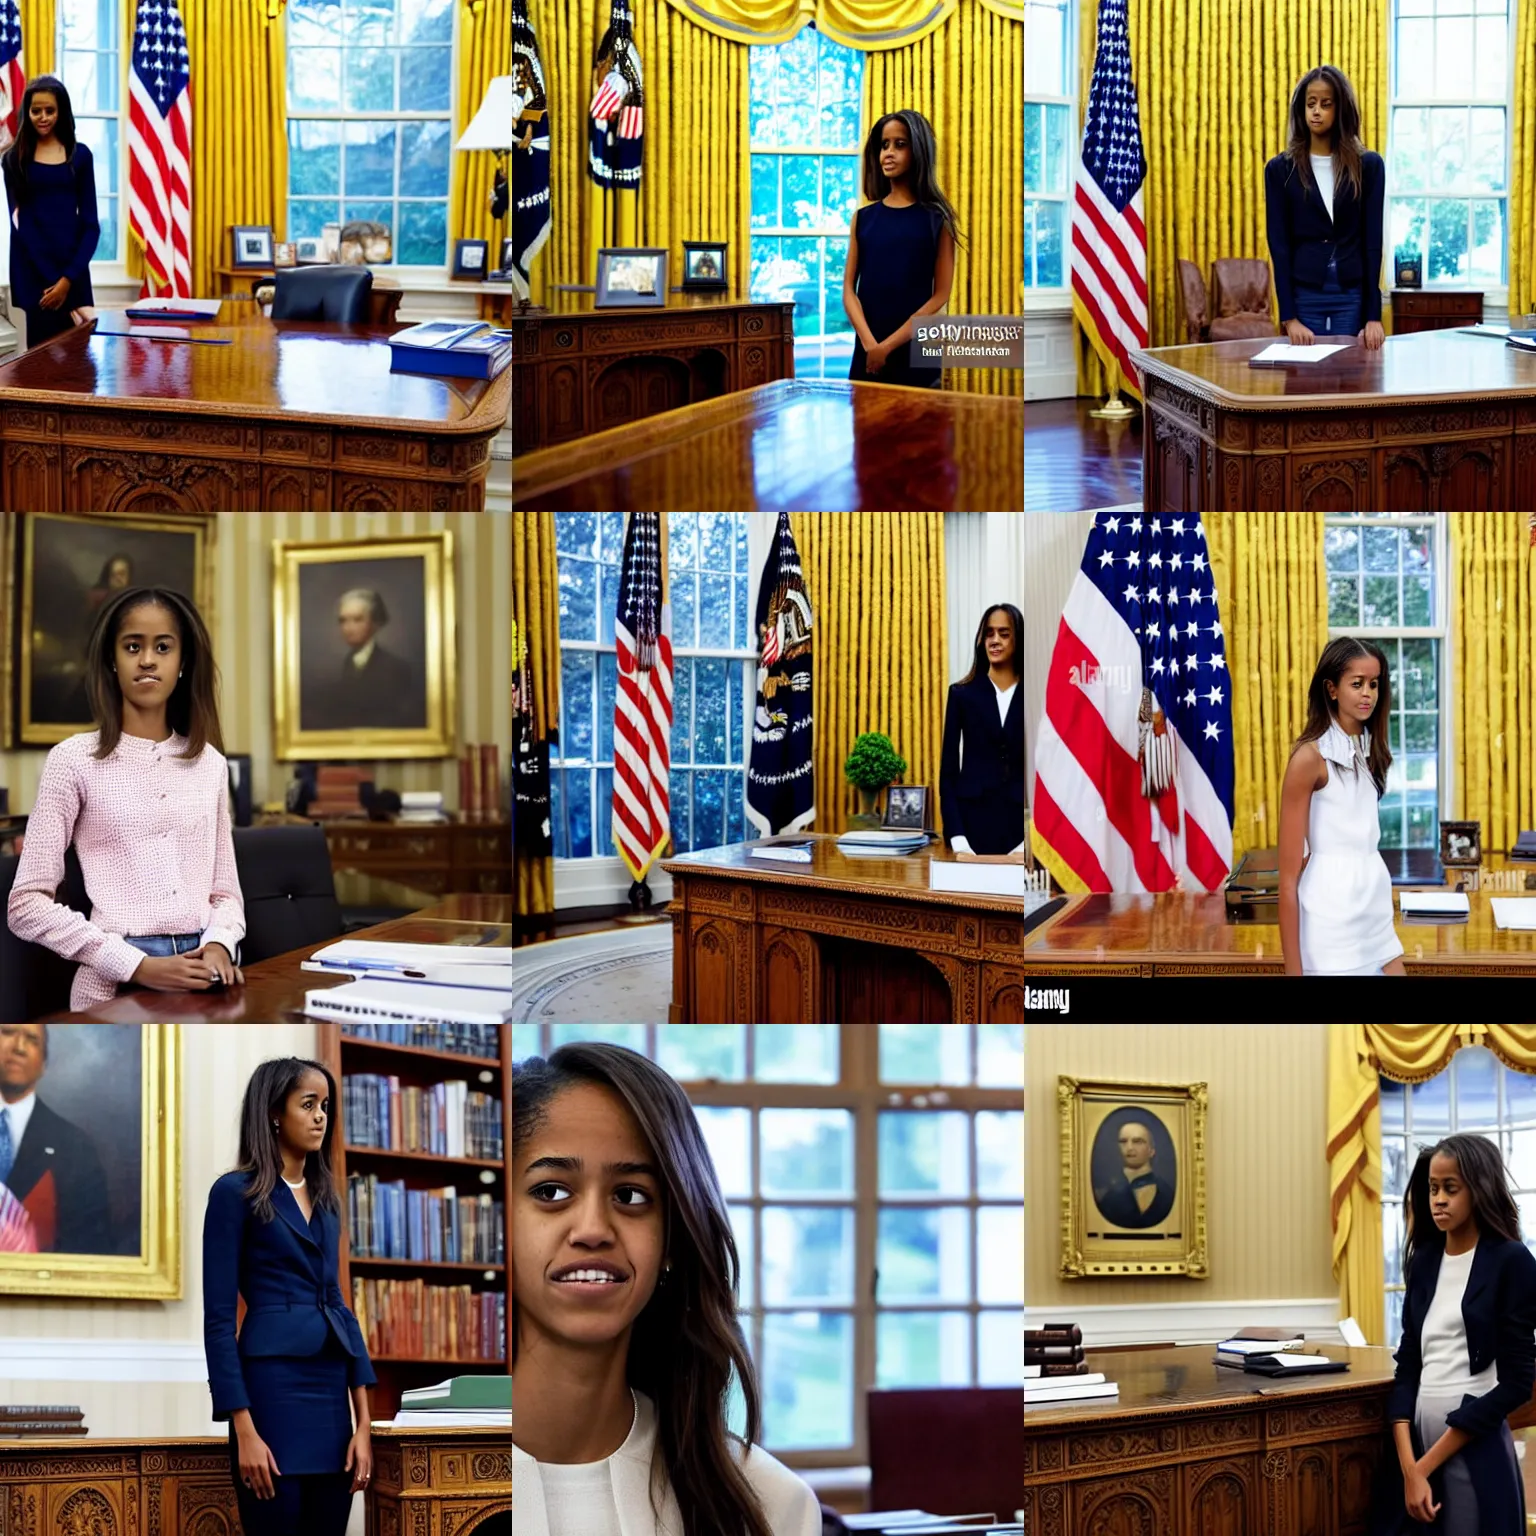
(1050,363)
(984,564)
(137,1368)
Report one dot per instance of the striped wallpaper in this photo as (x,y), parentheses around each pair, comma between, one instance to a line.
(242,638)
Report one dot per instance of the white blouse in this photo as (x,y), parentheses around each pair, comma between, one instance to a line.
(611,1498)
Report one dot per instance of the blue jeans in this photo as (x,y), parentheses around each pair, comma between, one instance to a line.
(167,943)
(1329,311)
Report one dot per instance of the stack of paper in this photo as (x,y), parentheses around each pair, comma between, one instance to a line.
(430,983)
(1515,912)
(1434,906)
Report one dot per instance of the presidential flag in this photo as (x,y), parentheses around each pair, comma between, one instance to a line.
(1134,765)
(781,781)
(530,760)
(530,149)
(616,117)
(160,148)
(1109,235)
(642,711)
(13,74)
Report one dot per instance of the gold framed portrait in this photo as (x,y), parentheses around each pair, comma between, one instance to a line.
(364,647)
(91,1202)
(1132,1178)
(56,570)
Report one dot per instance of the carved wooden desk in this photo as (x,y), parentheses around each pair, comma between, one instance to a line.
(583,369)
(472,855)
(799,445)
(1434,422)
(291,416)
(1183,933)
(426,1482)
(839,939)
(1192,1447)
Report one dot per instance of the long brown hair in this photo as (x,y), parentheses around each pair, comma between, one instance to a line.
(687,1341)
(266,1095)
(980,666)
(193,708)
(1481,1168)
(923,178)
(1344,135)
(1337,655)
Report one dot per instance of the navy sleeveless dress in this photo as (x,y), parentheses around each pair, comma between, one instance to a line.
(898,250)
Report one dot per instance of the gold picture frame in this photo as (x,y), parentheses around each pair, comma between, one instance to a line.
(403,702)
(49,684)
(1132,1178)
(153,1271)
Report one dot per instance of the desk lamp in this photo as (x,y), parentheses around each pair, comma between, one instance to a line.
(491,128)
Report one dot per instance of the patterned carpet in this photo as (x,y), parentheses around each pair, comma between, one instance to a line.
(615,977)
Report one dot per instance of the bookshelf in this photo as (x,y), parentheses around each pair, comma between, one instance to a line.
(418,1067)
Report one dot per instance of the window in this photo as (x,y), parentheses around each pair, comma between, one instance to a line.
(1477,1093)
(1385,584)
(370,127)
(88,47)
(1050,146)
(1449,138)
(807,144)
(874,1176)
(713,687)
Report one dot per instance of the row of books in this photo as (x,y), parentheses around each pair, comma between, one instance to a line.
(20,1419)
(385,1220)
(1056,1369)
(445,1119)
(411,1320)
(479,1040)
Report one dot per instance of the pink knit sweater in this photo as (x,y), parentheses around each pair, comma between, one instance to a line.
(152,833)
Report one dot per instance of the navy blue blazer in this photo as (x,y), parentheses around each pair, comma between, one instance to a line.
(288,1277)
(1304,233)
(983,800)
(1499,1311)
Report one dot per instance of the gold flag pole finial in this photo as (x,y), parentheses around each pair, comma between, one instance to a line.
(1114,408)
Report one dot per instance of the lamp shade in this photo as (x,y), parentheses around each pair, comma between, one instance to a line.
(491,127)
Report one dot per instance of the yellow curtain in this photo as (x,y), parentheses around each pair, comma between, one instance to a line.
(1213,85)
(858,23)
(239,130)
(1493,721)
(696,182)
(39,22)
(1522,189)
(536,612)
(1357,1055)
(967,78)
(880,666)
(485,51)
(1273,597)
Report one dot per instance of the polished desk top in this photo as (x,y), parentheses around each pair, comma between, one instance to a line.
(272,369)
(1186,1378)
(1192,927)
(274,989)
(379,1427)
(1432,366)
(794,445)
(903,878)
(566,305)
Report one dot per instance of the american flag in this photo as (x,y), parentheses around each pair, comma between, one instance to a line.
(16,1233)
(1142,615)
(13,74)
(160,148)
(642,711)
(1109,237)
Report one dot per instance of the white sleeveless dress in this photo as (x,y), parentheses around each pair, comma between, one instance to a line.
(1345,892)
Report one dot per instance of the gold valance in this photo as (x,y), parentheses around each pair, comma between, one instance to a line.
(870,25)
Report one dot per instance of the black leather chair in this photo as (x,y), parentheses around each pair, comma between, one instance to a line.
(289,890)
(323,293)
(34,981)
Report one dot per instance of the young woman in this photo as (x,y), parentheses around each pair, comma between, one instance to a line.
(981,793)
(624,1279)
(272,1234)
(1323,201)
(50,182)
(1466,1358)
(1335,892)
(901,250)
(145,800)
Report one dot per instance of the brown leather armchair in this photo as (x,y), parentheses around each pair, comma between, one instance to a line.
(1240,299)
(1192,301)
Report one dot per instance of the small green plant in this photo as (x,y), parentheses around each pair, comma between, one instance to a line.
(873,763)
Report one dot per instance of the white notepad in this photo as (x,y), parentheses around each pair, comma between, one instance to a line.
(1434,904)
(1515,912)
(1284,352)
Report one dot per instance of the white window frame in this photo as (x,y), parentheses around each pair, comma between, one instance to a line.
(1039,300)
(120,66)
(419,272)
(1494,294)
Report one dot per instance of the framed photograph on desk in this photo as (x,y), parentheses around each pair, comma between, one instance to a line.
(364,650)
(251,245)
